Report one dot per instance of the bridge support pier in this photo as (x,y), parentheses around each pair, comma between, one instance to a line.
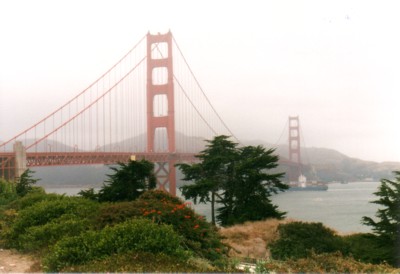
(166,176)
(20,159)
(13,164)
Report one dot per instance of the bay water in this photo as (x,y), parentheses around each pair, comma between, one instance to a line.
(341,207)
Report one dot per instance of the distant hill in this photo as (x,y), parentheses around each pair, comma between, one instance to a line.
(48,145)
(331,165)
(138,143)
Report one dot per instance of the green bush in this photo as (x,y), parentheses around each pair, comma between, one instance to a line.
(7,192)
(43,236)
(366,247)
(33,197)
(142,262)
(111,214)
(158,195)
(9,212)
(136,235)
(161,207)
(45,212)
(298,239)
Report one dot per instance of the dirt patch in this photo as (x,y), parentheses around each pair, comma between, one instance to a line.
(14,262)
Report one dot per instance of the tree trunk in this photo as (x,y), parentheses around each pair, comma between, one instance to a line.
(213,207)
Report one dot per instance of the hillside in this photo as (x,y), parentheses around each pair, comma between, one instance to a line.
(331,165)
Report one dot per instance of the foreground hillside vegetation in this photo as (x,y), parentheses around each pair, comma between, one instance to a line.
(160,233)
(75,233)
(291,246)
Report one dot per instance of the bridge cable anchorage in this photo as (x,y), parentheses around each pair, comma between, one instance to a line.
(76,97)
(205,96)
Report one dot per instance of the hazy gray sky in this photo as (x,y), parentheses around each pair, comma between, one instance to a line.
(336,64)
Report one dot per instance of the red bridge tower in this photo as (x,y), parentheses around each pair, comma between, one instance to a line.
(294,146)
(160,90)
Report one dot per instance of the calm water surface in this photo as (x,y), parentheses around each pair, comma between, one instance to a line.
(341,207)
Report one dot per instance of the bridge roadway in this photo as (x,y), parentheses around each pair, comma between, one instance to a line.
(10,168)
(35,159)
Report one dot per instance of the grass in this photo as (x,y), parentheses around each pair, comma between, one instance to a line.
(250,240)
(324,263)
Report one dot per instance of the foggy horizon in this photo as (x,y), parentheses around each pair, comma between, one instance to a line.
(335,65)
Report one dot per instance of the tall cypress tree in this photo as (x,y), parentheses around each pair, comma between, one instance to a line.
(25,183)
(211,173)
(236,178)
(247,196)
(387,225)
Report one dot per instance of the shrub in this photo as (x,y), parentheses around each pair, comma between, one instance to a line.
(143,262)
(44,212)
(136,235)
(158,195)
(33,197)
(298,239)
(161,207)
(366,247)
(111,214)
(7,217)
(7,192)
(38,237)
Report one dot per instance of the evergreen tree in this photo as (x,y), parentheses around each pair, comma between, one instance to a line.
(236,178)
(247,196)
(25,183)
(387,225)
(128,182)
(212,173)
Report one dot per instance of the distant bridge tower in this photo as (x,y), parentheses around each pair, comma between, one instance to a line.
(160,91)
(294,145)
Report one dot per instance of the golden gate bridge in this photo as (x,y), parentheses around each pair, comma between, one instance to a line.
(148,105)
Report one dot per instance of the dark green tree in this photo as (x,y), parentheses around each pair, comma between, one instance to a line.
(246,198)
(214,170)
(236,178)
(387,225)
(25,183)
(128,182)
(89,194)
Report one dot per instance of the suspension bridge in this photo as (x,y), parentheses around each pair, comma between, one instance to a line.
(148,105)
